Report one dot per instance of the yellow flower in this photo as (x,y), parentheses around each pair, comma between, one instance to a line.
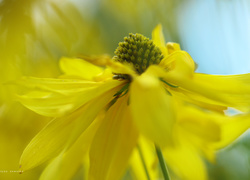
(148,89)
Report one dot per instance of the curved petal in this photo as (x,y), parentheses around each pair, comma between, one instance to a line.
(204,125)
(152,109)
(232,128)
(196,99)
(98,60)
(172,47)
(231,90)
(67,163)
(62,132)
(75,67)
(121,68)
(158,38)
(200,128)
(60,86)
(144,157)
(230,83)
(55,98)
(185,162)
(179,64)
(113,143)
(210,131)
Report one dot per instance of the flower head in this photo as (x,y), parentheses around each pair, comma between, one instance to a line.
(139,92)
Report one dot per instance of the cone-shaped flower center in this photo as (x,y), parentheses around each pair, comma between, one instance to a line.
(138,50)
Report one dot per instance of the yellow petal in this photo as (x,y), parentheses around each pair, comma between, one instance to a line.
(232,127)
(172,47)
(137,167)
(209,131)
(179,64)
(200,128)
(98,60)
(196,99)
(56,98)
(145,151)
(158,38)
(185,162)
(62,132)
(61,86)
(229,83)
(107,74)
(79,68)
(230,90)
(113,143)
(68,162)
(50,171)
(205,125)
(152,109)
(121,68)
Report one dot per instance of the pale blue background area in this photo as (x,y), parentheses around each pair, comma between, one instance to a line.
(216,33)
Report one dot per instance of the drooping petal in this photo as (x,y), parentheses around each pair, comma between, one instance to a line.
(158,38)
(137,167)
(196,99)
(144,157)
(68,162)
(54,98)
(152,109)
(231,90)
(202,124)
(75,67)
(51,171)
(113,143)
(231,128)
(62,132)
(61,86)
(200,128)
(208,130)
(185,162)
(229,83)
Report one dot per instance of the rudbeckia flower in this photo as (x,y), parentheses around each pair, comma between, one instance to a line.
(148,89)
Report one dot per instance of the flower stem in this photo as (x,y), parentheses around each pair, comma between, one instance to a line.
(162,163)
(143,161)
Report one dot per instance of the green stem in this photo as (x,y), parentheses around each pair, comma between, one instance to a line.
(143,161)
(162,163)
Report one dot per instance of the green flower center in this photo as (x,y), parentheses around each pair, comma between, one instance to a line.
(138,51)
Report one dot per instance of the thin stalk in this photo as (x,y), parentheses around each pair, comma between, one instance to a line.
(143,161)
(162,163)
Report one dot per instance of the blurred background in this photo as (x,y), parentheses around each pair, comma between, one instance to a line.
(34,34)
